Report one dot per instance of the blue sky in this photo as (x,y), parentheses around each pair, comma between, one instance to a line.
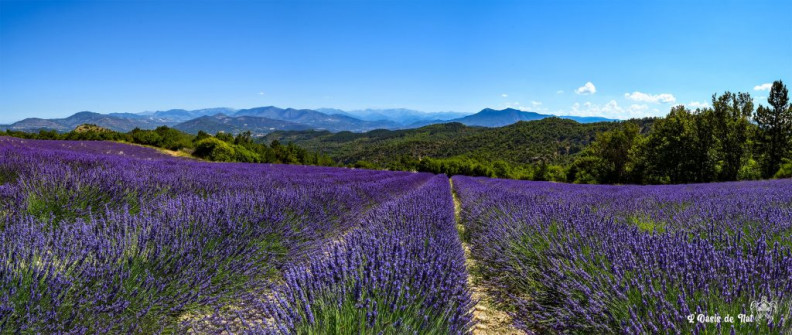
(609,58)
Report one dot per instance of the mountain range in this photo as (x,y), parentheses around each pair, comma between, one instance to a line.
(499,118)
(264,120)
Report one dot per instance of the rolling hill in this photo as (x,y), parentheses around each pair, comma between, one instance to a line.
(550,139)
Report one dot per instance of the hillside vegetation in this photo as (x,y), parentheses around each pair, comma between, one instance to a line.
(552,139)
(510,151)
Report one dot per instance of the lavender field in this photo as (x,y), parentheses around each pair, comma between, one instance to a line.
(100,237)
(633,259)
(110,238)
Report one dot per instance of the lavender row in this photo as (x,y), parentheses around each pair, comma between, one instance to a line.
(633,259)
(93,241)
(400,272)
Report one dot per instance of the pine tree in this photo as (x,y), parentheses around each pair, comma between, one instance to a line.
(775,128)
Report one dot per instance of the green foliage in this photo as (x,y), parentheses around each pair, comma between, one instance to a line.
(750,170)
(583,170)
(455,166)
(364,165)
(547,172)
(146,137)
(214,149)
(519,144)
(225,137)
(711,144)
(162,137)
(671,148)
(785,171)
(775,129)
(608,159)
(200,136)
(730,124)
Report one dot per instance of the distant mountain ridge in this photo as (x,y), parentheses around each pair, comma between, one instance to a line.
(234,125)
(117,122)
(404,117)
(317,120)
(498,118)
(263,120)
(186,115)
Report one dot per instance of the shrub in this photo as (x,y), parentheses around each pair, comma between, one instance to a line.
(214,150)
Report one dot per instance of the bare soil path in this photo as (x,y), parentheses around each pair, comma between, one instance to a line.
(489,320)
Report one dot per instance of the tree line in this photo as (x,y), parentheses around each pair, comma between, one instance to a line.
(731,140)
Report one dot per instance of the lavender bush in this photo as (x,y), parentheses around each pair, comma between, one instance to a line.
(96,241)
(401,271)
(633,259)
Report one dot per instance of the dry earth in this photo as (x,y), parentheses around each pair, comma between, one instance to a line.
(489,320)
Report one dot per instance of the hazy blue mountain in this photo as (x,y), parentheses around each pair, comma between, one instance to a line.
(268,119)
(290,119)
(123,123)
(35,123)
(181,115)
(237,124)
(317,120)
(498,118)
(587,119)
(404,117)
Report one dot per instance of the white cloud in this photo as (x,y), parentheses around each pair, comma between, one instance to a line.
(505,95)
(536,106)
(652,98)
(515,105)
(560,92)
(763,87)
(697,104)
(261,93)
(612,110)
(588,88)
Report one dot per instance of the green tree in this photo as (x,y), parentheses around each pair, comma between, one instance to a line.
(215,150)
(775,129)
(225,137)
(146,137)
(667,151)
(201,135)
(613,151)
(172,139)
(731,112)
(703,146)
(244,138)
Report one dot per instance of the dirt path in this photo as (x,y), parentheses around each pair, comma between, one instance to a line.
(488,319)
